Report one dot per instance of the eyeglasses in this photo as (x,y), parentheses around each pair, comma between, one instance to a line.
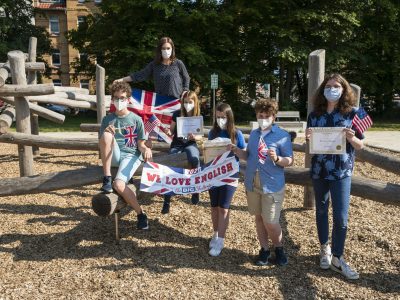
(120,99)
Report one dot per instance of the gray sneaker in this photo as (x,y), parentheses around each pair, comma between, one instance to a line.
(325,257)
(340,266)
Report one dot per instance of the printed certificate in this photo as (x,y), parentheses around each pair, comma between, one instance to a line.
(328,140)
(186,125)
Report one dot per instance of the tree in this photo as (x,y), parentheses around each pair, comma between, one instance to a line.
(16,28)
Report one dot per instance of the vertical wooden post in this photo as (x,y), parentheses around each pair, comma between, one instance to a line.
(100,93)
(316,73)
(22,112)
(357,91)
(32,79)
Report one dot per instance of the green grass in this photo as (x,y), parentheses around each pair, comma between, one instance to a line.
(383,126)
(71,123)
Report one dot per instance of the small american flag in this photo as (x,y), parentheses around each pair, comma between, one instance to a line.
(262,151)
(361,121)
(130,136)
(151,123)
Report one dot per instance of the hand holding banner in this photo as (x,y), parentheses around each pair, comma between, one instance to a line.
(160,179)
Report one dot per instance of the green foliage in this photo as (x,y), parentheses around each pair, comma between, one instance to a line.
(248,42)
(16,28)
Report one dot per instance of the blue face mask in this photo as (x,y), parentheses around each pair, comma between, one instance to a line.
(333,94)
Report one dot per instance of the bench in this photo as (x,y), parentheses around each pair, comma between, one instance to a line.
(288,115)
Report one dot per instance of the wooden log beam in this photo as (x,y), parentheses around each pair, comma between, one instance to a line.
(90,127)
(381,160)
(71,89)
(6,119)
(5,72)
(53,99)
(39,110)
(72,178)
(375,190)
(26,90)
(61,143)
(49,142)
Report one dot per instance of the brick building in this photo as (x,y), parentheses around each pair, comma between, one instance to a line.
(58,17)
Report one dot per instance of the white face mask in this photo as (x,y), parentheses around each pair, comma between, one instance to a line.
(120,105)
(188,106)
(264,123)
(166,53)
(222,122)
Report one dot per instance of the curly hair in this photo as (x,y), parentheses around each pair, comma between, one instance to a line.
(266,105)
(122,87)
(346,101)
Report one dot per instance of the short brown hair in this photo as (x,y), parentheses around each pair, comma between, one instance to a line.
(122,87)
(266,105)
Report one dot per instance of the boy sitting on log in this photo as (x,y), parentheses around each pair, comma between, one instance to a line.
(122,145)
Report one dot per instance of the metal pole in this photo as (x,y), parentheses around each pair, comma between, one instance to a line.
(213,107)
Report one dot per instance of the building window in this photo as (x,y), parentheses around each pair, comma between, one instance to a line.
(54,25)
(81,1)
(84,83)
(56,57)
(81,20)
(57,82)
(97,1)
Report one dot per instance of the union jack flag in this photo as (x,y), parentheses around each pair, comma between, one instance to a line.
(130,136)
(262,151)
(155,110)
(361,121)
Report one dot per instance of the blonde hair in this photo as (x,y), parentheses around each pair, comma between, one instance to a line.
(196,110)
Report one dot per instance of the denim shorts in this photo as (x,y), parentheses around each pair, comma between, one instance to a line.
(127,163)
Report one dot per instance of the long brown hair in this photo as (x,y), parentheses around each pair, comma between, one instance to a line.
(230,122)
(346,101)
(196,110)
(158,57)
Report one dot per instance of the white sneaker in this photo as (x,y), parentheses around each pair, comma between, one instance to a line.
(340,266)
(212,241)
(325,256)
(218,246)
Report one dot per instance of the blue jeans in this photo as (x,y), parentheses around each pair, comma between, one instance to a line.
(340,197)
(192,154)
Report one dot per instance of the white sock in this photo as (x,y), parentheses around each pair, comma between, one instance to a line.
(215,235)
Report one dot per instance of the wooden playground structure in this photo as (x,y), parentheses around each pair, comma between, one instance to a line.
(23,95)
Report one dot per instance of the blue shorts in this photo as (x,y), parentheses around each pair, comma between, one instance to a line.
(127,163)
(221,196)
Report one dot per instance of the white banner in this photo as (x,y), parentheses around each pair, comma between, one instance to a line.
(160,179)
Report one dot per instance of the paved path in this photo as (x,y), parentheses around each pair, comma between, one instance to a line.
(381,139)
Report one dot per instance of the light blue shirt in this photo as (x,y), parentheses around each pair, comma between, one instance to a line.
(272,177)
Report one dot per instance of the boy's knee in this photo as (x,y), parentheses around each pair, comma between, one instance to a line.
(106,137)
(194,162)
(119,185)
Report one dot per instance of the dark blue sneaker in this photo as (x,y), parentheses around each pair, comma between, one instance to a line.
(107,184)
(263,256)
(142,221)
(195,198)
(166,204)
(280,256)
